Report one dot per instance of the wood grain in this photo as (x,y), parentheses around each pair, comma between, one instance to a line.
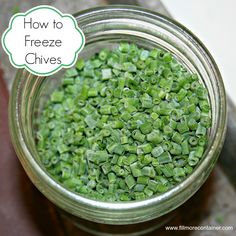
(23,210)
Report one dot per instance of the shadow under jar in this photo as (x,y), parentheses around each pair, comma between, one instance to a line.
(106,27)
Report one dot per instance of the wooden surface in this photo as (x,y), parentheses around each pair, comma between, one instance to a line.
(23,210)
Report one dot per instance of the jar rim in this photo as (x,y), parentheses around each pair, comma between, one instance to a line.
(156,199)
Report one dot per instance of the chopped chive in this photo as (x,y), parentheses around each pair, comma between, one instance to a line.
(164,158)
(125,124)
(157,151)
(130,181)
(106,74)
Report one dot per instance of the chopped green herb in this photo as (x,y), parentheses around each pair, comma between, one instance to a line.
(124,125)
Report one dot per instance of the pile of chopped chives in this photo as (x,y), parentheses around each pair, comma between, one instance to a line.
(124,125)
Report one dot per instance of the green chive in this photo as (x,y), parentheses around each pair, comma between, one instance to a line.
(125,124)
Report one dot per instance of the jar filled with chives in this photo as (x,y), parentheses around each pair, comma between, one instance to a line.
(132,131)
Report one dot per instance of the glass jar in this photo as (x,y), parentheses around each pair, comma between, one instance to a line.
(106,27)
